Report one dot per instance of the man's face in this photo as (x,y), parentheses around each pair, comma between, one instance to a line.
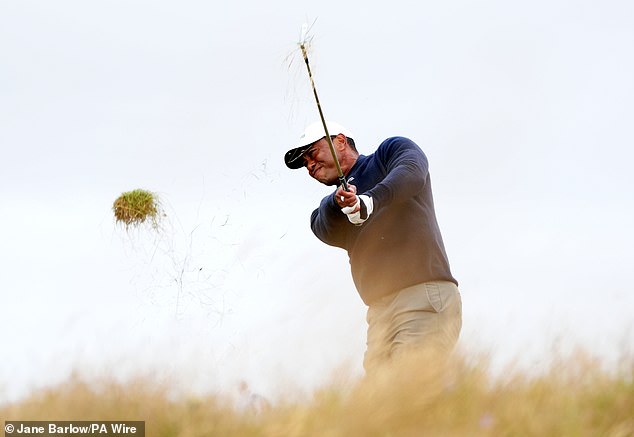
(319,162)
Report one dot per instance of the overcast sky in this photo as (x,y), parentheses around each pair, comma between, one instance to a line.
(524,109)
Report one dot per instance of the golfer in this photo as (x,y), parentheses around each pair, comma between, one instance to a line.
(387,224)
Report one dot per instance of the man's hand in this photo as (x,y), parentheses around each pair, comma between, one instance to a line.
(346,198)
(357,208)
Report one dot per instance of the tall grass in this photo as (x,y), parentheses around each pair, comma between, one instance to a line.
(416,397)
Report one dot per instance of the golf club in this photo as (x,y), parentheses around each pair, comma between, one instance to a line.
(302,45)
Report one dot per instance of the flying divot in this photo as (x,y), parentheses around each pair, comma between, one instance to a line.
(133,208)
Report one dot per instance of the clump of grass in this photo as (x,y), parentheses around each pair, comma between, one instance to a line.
(136,207)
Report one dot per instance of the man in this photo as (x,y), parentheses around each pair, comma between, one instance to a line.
(387,223)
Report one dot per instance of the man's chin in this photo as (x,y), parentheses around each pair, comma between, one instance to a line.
(328,182)
(324,180)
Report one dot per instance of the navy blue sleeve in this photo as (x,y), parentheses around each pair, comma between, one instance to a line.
(328,222)
(406,168)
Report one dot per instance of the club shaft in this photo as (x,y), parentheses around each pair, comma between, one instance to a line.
(342,179)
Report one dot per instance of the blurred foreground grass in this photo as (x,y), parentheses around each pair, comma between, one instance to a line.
(573,397)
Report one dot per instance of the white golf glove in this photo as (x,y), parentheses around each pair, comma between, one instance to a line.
(363,208)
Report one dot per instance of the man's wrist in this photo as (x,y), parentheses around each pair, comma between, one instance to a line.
(352,209)
(360,211)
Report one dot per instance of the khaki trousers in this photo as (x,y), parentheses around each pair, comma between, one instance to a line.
(425,316)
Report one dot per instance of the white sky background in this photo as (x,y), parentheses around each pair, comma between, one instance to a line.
(525,112)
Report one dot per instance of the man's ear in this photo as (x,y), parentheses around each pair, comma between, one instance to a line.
(341,142)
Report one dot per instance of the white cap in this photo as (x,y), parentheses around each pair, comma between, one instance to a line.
(314,132)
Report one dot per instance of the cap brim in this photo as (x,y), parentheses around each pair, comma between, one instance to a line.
(293,157)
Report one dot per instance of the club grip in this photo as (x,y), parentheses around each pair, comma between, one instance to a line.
(344,183)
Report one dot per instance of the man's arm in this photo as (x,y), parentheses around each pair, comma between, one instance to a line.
(328,223)
(407,171)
